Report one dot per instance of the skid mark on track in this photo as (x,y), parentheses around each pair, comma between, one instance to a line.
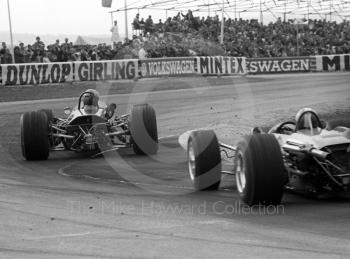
(62,172)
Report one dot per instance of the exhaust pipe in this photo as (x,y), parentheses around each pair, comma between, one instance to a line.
(313,151)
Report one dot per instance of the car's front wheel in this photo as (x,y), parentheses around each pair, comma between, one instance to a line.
(204,160)
(34,135)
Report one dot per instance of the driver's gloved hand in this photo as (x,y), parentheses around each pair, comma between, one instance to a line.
(110,110)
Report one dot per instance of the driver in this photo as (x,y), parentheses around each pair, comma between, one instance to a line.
(307,119)
(90,101)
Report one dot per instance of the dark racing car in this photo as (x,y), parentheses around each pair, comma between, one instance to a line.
(92,126)
(306,155)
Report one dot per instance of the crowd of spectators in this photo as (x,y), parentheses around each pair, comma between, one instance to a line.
(250,38)
(187,35)
(64,52)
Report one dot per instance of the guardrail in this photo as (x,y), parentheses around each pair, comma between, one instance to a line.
(45,73)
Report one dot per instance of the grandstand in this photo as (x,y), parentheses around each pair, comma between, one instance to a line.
(198,28)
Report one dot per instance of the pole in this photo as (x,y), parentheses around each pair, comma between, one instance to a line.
(235,9)
(222,23)
(112,18)
(126,19)
(208,9)
(261,13)
(285,11)
(298,52)
(11,35)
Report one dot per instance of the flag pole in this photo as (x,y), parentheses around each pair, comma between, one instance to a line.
(11,36)
(126,19)
(222,23)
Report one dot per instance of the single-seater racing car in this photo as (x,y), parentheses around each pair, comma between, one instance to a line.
(307,155)
(92,126)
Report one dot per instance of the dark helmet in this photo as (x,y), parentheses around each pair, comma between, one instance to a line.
(307,118)
(91,97)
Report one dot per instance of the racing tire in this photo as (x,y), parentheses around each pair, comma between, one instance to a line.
(143,130)
(259,170)
(34,136)
(49,114)
(332,124)
(50,118)
(204,160)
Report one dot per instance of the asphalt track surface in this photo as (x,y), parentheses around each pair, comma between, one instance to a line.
(123,205)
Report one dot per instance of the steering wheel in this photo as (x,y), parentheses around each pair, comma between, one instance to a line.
(285,126)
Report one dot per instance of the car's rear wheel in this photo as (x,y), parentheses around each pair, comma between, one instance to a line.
(34,136)
(143,130)
(204,160)
(259,170)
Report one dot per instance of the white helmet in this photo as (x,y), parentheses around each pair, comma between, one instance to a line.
(91,97)
(307,118)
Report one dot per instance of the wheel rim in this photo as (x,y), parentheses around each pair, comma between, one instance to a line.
(240,173)
(191,161)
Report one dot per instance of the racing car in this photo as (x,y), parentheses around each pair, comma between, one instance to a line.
(306,155)
(92,126)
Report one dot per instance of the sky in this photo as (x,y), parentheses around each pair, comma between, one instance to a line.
(79,17)
(56,17)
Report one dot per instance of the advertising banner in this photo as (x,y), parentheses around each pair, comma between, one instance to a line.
(167,67)
(221,65)
(105,70)
(278,65)
(333,63)
(36,73)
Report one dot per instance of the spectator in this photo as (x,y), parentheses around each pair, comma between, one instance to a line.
(142,24)
(29,54)
(64,53)
(136,22)
(17,55)
(38,46)
(115,33)
(185,35)
(5,55)
(149,25)
(142,53)
(159,26)
(22,53)
(46,58)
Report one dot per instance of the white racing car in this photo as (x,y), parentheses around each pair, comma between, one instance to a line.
(306,155)
(91,126)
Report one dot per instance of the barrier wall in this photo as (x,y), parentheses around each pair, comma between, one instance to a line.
(192,65)
(105,70)
(45,73)
(333,63)
(280,65)
(167,67)
(36,73)
(221,65)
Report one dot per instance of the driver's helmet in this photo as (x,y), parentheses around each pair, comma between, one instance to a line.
(307,118)
(91,98)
